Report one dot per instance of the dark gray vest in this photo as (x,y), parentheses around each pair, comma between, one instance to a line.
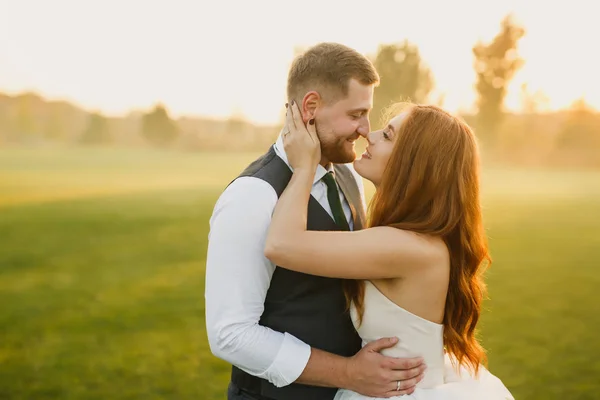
(311,308)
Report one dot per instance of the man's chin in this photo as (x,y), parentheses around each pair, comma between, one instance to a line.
(342,154)
(342,158)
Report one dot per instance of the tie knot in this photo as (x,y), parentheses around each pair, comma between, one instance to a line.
(329,178)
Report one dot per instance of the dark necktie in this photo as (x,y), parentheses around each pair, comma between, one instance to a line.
(333,196)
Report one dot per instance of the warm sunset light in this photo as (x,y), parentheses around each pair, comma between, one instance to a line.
(231,57)
(155,238)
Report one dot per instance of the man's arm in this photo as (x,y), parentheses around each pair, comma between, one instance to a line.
(368,372)
(237,280)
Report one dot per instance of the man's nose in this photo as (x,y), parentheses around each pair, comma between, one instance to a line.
(364,127)
(371,138)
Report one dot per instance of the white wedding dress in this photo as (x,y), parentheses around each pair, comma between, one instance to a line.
(420,337)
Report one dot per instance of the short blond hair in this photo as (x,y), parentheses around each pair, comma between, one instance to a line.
(327,68)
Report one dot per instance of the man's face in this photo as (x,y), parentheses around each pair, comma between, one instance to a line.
(339,124)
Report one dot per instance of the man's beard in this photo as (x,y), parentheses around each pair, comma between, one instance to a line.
(336,152)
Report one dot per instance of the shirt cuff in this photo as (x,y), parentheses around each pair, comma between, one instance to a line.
(289,363)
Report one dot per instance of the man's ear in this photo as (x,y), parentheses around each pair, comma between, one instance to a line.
(310,102)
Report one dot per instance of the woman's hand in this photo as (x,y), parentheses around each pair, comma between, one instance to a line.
(300,141)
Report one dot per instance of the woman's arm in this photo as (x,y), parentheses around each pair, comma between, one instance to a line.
(375,253)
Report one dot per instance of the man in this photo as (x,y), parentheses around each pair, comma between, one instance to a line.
(289,335)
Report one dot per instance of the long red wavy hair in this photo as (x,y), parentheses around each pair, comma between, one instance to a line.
(431,186)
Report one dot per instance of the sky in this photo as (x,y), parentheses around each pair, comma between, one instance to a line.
(222,57)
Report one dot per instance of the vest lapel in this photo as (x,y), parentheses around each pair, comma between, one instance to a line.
(347,184)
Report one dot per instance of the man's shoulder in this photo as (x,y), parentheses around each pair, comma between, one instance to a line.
(243,197)
(265,161)
(270,168)
(244,189)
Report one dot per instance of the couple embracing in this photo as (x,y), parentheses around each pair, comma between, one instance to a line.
(307,296)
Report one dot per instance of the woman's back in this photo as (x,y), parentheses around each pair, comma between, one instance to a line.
(421,291)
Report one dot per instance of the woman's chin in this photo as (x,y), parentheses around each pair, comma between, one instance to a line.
(358,167)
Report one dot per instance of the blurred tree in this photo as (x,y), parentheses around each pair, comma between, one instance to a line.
(54,126)
(495,65)
(580,133)
(5,121)
(237,123)
(533,102)
(97,131)
(158,128)
(404,77)
(440,100)
(25,118)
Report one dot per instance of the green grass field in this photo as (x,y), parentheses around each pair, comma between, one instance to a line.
(102,276)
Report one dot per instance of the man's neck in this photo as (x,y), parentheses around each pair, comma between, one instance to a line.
(325,163)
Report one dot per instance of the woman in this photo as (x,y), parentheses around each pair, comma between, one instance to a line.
(416,272)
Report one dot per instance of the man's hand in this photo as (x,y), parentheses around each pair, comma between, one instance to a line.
(373,374)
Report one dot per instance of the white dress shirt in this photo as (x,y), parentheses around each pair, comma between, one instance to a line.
(238,276)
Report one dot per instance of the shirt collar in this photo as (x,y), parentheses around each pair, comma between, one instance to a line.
(280,151)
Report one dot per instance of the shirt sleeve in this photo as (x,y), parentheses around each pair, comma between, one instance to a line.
(238,276)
